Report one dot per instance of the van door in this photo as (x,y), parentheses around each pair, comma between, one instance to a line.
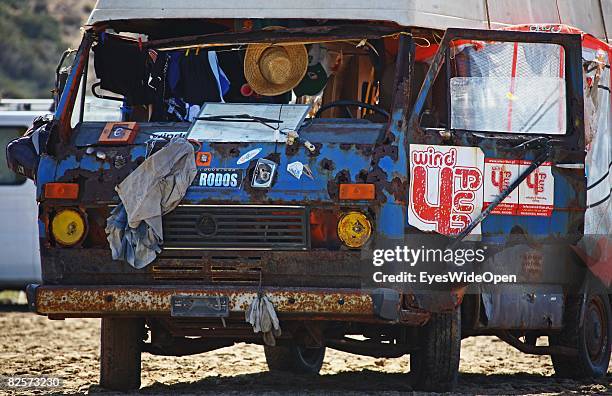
(499,115)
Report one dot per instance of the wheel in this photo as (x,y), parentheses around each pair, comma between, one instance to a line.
(294,358)
(592,339)
(434,367)
(120,348)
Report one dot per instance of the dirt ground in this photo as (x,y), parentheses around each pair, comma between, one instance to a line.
(34,345)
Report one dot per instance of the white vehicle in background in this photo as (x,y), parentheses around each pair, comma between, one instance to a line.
(20,257)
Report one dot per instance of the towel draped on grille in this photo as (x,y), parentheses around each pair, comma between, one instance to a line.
(156,187)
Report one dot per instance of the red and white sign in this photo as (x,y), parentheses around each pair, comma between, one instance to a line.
(499,174)
(533,197)
(446,187)
(537,191)
(451,185)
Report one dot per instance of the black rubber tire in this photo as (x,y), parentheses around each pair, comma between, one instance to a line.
(434,367)
(573,335)
(294,358)
(120,350)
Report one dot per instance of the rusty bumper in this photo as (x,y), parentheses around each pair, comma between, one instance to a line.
(307,303)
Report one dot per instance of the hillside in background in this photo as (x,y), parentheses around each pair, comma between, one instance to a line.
(33,35)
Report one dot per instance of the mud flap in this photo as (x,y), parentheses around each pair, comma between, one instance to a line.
(386,303)
(31,296)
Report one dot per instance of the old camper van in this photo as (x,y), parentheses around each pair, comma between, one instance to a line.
(284,161)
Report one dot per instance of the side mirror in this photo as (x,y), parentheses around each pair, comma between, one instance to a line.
(61,75)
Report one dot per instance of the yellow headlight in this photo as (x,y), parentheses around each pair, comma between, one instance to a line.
(354,229)
(68,227)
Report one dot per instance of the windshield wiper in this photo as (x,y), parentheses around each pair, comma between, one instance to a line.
(242,118)
(544,149)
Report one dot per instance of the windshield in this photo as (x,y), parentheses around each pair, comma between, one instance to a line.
(509,87)
(207,80)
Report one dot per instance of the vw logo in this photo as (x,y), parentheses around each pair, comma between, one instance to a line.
(206,226)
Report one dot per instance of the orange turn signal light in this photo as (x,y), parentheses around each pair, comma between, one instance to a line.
(357,192)
(61,190)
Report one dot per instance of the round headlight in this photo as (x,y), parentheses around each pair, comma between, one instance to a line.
(354,229)
(68,227)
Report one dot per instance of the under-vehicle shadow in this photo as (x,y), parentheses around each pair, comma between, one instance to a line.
(14,308)
(371,382)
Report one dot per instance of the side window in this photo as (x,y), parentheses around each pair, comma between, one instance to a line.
(508,87)
(7,176)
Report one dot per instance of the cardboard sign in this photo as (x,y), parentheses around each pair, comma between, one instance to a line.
(533,197)
(446,187)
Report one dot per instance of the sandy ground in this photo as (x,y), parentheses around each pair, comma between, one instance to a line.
(34,345)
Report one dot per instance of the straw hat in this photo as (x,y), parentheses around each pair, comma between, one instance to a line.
(272,70)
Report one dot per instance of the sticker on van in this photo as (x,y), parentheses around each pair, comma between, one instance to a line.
(446,187)
(533,197)
(219,178)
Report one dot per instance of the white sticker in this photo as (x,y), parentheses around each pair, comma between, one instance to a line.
(296,169)
(533,197)
(537,191)
(248,156)
(498,175)
(167,135)
(446,187)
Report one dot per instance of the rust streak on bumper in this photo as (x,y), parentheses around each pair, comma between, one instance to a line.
(106,300)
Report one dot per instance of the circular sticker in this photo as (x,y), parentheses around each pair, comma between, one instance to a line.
(248,156)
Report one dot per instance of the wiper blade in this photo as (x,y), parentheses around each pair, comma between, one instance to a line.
(241,118)
(544,149)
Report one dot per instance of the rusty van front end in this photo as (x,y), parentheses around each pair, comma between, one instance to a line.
(409,137)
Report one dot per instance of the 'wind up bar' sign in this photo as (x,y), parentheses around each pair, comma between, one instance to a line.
(451,185)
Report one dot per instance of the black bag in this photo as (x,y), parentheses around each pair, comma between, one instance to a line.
(23,154)
(123,69)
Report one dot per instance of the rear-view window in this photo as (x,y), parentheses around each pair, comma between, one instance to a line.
(7,176)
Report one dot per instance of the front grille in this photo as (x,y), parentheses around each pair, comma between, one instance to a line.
(202,227)
(213,269)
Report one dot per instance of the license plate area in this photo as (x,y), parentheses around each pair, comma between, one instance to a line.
(199,306)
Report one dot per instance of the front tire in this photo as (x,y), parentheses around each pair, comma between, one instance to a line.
(120,351)
(294,358)
(592,339)
(435,366)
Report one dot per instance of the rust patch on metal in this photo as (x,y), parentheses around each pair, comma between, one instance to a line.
(327,165)
(399,189)
(316,151)
(364,150)
(385,151)
(333,185)
(532,264)
(292,149)
(87,300)
(227,150)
